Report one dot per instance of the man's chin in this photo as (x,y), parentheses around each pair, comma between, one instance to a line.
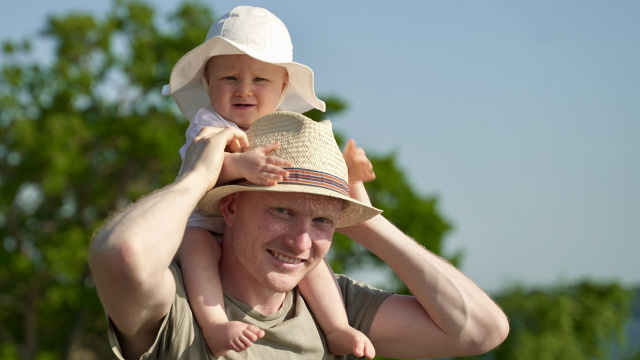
(282,283)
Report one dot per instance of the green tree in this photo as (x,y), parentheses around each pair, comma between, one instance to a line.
(89,133)
(579,321)
(81,137)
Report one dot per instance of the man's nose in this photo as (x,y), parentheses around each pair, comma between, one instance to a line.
(299,238)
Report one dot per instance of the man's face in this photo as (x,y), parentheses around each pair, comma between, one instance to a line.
(275,239)
(243,89)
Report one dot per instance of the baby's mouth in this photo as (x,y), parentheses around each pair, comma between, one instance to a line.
(243,106)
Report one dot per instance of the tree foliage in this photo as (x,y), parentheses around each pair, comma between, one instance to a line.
(85,135)
(580,321)
(81,137)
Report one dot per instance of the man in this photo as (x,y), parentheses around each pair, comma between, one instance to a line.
(274,237)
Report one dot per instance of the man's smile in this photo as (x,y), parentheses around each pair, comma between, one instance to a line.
(285,259)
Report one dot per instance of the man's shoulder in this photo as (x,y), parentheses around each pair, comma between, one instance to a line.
(178,335)
(351,287)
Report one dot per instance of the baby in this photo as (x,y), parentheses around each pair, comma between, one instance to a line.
(244,70)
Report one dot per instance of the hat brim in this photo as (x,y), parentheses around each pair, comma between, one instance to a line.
(354,212)
(186,87)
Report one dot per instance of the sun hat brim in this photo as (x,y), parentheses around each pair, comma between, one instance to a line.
(186,87)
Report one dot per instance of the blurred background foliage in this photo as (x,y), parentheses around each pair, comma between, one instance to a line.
(89,133)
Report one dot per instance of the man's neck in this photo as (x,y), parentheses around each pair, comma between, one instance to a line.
(263,301)
(270,306)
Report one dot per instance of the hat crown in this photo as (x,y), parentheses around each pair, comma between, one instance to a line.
(255,28)
(307,144)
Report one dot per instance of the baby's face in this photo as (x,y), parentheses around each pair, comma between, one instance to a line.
(242,89)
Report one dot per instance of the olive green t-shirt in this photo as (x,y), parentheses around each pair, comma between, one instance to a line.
(290,333)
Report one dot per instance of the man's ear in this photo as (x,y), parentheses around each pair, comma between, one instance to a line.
(228,209)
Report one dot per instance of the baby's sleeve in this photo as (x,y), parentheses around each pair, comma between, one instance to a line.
(203,118)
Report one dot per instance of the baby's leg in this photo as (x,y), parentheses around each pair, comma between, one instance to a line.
(199,255)
(321,292)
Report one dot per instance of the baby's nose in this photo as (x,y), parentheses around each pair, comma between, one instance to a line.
(244,88)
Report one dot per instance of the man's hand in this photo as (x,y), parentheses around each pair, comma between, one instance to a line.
(258,167)
(360,168)
(205,155)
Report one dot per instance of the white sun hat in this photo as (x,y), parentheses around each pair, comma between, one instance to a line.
(318,166)
(244,30)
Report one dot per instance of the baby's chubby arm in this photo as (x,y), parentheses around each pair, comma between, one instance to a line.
(360,168)
(254,165)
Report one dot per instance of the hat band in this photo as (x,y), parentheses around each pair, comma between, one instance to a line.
(307,177)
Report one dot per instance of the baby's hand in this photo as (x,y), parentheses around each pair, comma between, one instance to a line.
(259,168)
(360,168)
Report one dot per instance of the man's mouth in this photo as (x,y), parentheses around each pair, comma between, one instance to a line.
(285,259)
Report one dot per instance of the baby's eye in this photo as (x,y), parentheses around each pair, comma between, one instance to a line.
(231,78)
(258,79)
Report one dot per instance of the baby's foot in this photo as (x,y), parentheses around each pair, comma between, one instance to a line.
(348,340)
(232,335)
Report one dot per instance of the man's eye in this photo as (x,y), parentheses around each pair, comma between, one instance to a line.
(322,220)
(280,210)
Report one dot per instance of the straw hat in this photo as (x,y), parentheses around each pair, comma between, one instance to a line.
(244,30)
(317,164)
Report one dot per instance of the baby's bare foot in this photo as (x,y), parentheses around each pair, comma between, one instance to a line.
(232,335)
(348,340)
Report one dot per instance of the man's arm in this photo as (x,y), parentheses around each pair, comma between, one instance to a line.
(448,315)
(131,254)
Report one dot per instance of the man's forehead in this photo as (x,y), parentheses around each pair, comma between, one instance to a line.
(303,200)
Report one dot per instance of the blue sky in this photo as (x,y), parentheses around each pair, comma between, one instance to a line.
(522,117)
